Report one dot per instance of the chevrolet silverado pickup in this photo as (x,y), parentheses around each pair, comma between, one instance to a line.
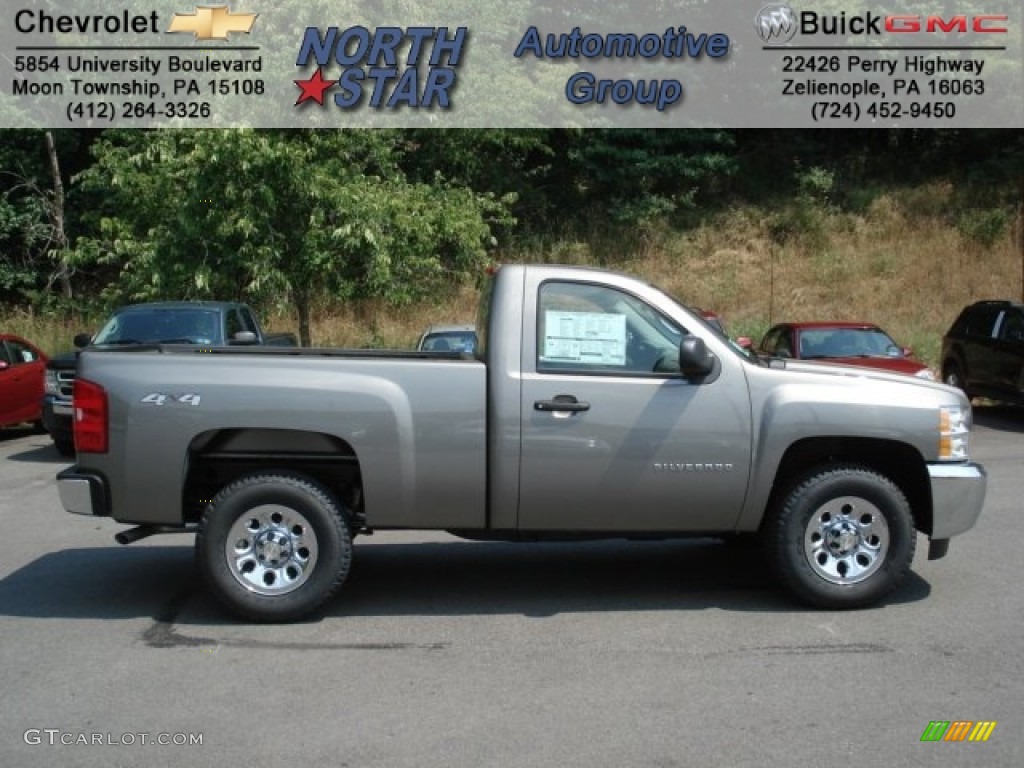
(594,406)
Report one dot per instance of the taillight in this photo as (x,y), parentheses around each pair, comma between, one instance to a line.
(90,407)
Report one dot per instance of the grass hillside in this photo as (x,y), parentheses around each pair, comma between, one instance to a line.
(907,259)
(905,262)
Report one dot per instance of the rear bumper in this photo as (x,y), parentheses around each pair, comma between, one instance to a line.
(83,493)
(958,493)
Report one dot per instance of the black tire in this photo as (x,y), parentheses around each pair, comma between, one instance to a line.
(65,445)
(274,546)
(952,376)
(842,537)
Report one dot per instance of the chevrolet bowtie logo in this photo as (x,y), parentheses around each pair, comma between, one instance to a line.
(212,22)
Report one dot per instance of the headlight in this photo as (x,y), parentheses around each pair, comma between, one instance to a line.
(50,383)
(954,433)
(925,373)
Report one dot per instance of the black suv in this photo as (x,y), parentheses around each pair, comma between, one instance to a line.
(983,351)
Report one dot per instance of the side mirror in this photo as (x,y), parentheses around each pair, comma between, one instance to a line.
(695,360)
(907,351)
(745,341)
(4,365)
(244,337)
(81,340)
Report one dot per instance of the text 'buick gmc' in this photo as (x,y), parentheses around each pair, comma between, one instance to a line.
(595,406)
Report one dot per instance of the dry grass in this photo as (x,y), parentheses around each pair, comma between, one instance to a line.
(900,263)
(48,333)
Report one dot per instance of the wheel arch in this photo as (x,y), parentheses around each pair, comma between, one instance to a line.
(899,462)
(218,457)
(954,358)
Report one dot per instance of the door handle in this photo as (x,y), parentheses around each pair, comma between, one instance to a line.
(561,403)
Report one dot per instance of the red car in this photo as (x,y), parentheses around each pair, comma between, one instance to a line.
(22,370)
(862,344)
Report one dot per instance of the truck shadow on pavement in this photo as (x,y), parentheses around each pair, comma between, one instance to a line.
(417,579)
(40,446)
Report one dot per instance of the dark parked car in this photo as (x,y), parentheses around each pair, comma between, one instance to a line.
(207,323)
(848,343)
(21,380)
(983,351)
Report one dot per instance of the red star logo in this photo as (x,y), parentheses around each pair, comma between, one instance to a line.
(313,88)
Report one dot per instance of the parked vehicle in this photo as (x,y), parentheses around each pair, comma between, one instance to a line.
(983,351)
(715,320)
(595,407)
(204,323)
(845,343)
(439,338)
(21,380)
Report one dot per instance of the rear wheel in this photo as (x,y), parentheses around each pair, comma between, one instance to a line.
(843,537)
(274,546)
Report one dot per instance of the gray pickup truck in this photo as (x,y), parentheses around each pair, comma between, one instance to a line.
(595,406)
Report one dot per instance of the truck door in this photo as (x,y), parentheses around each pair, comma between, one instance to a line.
(614,439)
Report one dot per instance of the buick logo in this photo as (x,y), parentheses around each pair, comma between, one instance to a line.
(776,24)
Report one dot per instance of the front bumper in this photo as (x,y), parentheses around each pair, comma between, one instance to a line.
(958,493)
(57,413)
(83,493)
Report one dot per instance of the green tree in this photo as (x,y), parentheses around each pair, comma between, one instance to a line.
(280,214)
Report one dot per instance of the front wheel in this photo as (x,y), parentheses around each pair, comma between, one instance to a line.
(954,378)
(65,444)
(843,537)
(274,546)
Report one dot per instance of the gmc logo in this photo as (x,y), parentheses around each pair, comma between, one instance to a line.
(952,24)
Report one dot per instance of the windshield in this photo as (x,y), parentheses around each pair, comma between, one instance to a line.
(178,325)
(460,341)
(821,343)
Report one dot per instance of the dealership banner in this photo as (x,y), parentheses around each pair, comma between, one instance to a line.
(515,63)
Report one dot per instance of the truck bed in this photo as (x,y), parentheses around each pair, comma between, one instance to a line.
(414,424)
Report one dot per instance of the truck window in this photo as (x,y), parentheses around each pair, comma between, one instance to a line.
(597,329)
(247,320)
(232,325)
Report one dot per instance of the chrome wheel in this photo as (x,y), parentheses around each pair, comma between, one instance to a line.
(846,540)
(271,549)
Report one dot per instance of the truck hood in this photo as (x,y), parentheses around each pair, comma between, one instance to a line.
(861,372)
(65,361)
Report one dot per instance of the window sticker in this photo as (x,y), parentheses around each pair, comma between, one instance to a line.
(590,338)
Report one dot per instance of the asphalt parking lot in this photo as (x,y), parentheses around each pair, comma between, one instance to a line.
(440,652)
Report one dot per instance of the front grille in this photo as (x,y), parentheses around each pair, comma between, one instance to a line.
(66,382)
